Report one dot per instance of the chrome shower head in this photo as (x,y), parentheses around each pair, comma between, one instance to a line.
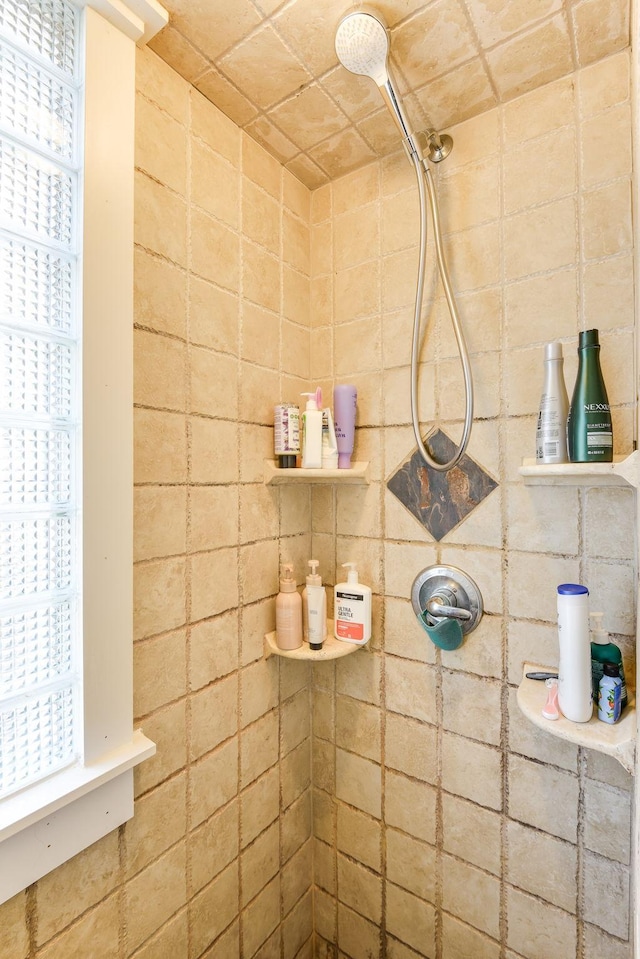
(362,45)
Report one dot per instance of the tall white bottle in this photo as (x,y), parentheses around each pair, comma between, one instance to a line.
(312,431)
(551,434)
(352,609)
(574,668)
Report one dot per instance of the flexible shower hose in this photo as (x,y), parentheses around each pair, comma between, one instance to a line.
(424,174)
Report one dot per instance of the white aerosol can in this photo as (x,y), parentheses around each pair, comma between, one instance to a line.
(574,668)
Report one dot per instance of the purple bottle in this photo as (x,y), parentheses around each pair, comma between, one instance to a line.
(344,413)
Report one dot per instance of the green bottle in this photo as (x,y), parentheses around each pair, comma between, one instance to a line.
(589,432)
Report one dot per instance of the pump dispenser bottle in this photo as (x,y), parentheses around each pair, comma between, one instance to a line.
(352,609)
(312,431)
(314,608)
(604,651)
(288,611)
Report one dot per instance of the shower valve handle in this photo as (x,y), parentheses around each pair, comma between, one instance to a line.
(437,606)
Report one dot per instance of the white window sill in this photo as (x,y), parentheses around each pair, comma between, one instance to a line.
(44,825)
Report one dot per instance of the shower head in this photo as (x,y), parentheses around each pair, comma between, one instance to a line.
(362,45)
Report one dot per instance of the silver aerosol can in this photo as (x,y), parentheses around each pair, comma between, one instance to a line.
(551,434)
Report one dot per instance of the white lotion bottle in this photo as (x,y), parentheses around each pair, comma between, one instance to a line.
(312,431)
(551,433)
(574,668)
(314,608)
(352,609)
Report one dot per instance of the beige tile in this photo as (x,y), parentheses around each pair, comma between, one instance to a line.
(257,619)
(528,594)
(154,126)
(261,217)
(325,915)
(213,517)
(410,688)
(213,316)
(214,582)
(213,380)
(159,821)
(296,295)
(540,526)
(359,677)
(160,294)
(260,336)
(213,909)
(213,649)
(356,292)
(215,251)
(160,447)
(358,728)
(160,521)
(458,939)
(258,690)
(297,929)
(471,895)
(259,748)
(261,167)
(214,451)
(260,276)
(324,866)
(158,596)
(532,59)
(259,863)
(540,172)
(542,865)
(96,934)
(295,773)
(167,728)
(171,940)
(259,805)
(596,134)
(535,793)
(256,445)
(606,214)
(472,833)
(294,515)
(160,82)
(606,769)
(606,282)
(598,943)
(600,28)
(216,129)
(482,653)
(541,308)
(360,889)
(411,864)
(607,827)
(258,570)
(607,512)
(213,846)
(213,782)
(208,171)
(259,391)
(538,929)
(214,715)
(411,747)
(295,721)
(410,919)
(14,938)
(604,84)
(356,935)
(324,772)
(295,345)
(155,206)
(403,636)
(609,583)
(458,756)
(358,782)
(535,743)
(159,672)
(258,513)
(359,836)
(541,239)
(410,805)
(606,894)
(296,876)
(155,894)
(296,824)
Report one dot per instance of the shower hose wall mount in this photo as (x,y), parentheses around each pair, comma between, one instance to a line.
(447,604)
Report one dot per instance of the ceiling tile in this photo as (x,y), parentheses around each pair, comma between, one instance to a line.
(342,153)
(309,117)
(497,20)
(213,27)
(459,95)
(272,139)
(601,27)
(310,28)
(357,96)
(433,42)
(264,87)
(307,171)
(225,96)
(177,50)
(531,59)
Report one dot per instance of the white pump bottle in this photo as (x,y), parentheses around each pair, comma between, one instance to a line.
(314,608)
(352,609)
(312,431)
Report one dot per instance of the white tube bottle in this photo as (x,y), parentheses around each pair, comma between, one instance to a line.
(574,668)
(314,608)
(551,434)
(312,431)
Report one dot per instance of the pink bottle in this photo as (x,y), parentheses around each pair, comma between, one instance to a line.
(288,611)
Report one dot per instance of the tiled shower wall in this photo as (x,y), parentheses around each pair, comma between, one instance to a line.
(445,825)
(217,860)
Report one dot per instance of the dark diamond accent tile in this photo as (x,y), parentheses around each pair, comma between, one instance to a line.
(440,501)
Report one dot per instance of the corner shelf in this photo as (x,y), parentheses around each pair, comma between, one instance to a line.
(617,740)
(358,475)
(332,648)
(624,471)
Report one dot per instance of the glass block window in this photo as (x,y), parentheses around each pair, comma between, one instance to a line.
(39,391)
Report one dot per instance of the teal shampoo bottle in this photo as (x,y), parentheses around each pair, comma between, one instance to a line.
(589,432)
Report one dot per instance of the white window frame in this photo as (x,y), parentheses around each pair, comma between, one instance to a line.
(45,824)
